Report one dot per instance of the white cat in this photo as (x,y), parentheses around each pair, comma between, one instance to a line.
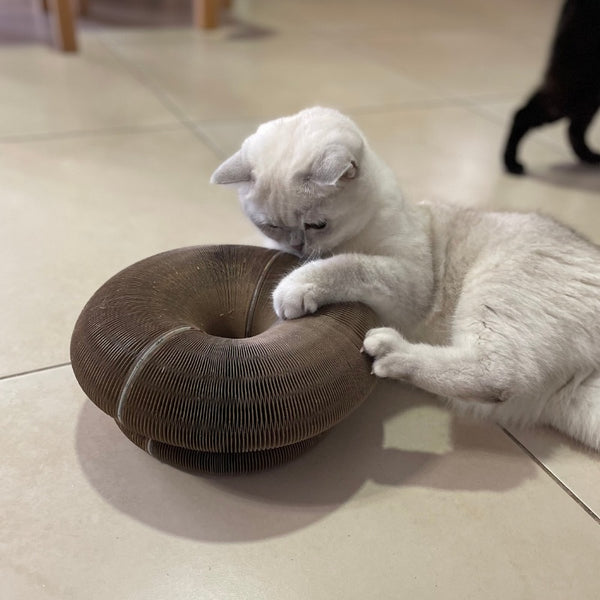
(497,312)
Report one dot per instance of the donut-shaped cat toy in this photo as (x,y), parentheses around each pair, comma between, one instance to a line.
(184,351)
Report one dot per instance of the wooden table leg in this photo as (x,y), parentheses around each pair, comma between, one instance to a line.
(206,13)
(64,26)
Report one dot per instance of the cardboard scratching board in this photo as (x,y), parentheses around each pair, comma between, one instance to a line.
(185,352)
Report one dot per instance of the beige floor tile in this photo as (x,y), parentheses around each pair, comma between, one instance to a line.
(459,63)
(221,79)
(399,500)
(349,16)
(443,152)
(531,22)
(95,205)
(227,136)
(253,19)
(525,21)
(577,467)
(45,91)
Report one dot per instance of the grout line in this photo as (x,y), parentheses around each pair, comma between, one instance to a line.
(80,133)
(445,99)
(192,126)
(163,97)
(554,477)
(428,104)
(196,124)
(448,101)
(34,371)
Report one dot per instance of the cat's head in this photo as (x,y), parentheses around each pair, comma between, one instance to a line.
(301,180)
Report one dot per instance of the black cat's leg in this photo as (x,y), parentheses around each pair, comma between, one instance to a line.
(451,371)
(533,114)
(577,130)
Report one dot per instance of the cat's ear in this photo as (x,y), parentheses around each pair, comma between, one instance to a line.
(336,163)
(234,170)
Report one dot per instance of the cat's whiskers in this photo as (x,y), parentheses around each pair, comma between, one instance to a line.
(314,254)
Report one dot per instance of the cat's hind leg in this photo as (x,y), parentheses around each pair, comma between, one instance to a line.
(577,129)
(537,111)
(458,372)
(575,408)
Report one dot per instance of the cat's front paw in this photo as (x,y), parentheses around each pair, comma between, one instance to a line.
(389,350)
(294,297)
(383,340)
(513,166)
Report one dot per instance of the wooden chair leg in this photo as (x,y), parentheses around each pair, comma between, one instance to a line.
(83,6)
(64,26)
(206,13)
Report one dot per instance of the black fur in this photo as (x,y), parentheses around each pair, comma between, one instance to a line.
(571,85)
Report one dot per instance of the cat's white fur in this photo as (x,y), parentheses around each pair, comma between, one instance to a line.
(497,312)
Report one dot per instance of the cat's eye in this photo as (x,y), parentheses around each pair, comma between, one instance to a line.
(319,225)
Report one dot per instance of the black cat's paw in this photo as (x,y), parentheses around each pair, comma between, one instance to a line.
(514,167)
(591,158)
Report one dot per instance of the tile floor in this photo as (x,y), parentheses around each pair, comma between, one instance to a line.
(105,158)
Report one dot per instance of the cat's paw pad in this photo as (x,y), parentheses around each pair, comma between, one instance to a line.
(382,341)
(292,300)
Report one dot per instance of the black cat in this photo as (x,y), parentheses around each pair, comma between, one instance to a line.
(571,85)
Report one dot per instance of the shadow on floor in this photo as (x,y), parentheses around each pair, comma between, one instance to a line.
(353,460)
(575,175)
